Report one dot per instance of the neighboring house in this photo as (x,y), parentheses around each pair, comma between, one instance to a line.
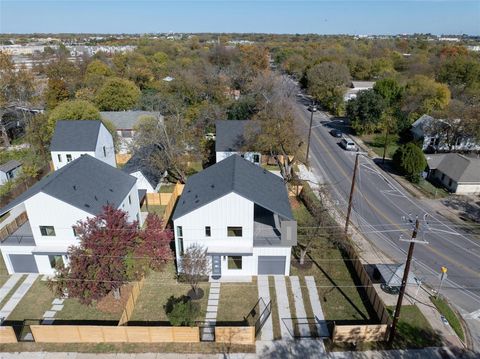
(457,173)
(241,214)
(9,171)
(73,139)
(13,121)
(356,87)
(230,140)
(432,133)
(55,204)
(148,179)
(125,122)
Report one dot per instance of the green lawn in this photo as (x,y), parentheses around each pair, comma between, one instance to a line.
(3,271)
(151,208)
(430,190)
(375,142)
(18,155)
(334,276)
(167,188)
(236,301)
(275,318)
(158,287)
(450,315)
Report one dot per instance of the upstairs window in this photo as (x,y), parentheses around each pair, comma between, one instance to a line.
(208,231)
(47,231)
(129,199)
(69,158)
(59,158)
(256,158)
(179,231)
(234,231)
(75,232)
(104,152)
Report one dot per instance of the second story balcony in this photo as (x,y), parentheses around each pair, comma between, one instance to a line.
(269,230)
(21,236)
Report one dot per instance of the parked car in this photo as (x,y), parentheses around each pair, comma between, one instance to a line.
(336,133)
(312,108)
(348,144)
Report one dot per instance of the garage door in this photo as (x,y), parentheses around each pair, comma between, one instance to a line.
(23,263)
(271,265)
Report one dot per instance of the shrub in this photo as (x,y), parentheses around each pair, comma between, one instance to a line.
(181,311)
(410,160)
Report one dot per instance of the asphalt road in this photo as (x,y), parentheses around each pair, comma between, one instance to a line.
(381,208)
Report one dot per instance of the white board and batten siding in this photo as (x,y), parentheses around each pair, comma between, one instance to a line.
(249,156)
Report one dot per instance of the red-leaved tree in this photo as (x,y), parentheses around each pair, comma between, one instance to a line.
(112,252)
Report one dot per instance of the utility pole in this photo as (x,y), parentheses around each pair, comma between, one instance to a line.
(309,133)
(396,315)
(443,275)
(352,189)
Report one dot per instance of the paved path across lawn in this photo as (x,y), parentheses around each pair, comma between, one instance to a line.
(264,293)
(284,315)
(9,284)
(302,321)
(18,295)
(212,309)
(321,324)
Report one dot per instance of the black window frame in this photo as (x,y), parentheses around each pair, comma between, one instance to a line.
(44,233)
(237,262)
(208,231)
(232,231)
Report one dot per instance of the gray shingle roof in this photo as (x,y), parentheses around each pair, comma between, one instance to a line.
(235,174)
(75,135)
(460,168)
(139,162)
(85,183)
(230,134)
(126,120)
(10,165)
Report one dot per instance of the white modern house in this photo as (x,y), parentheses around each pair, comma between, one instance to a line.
(457,173)
(50,209)
(125,123)
(240,213)
(433,133)
(148,178)
(73,139)
(9,171)
(356,87)
(230,140)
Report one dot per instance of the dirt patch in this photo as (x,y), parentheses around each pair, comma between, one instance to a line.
(109,304)
(306,265)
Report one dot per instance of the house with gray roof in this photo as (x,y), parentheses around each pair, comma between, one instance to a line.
(125,123)
(231,138)
(241,214)
(9,171)
(73,139)
(457,173)
(54,205)
(356,87)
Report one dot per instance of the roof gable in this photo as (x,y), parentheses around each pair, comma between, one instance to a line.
(79,135)
(234,174)
(139,162)
(460,168)
(10,165)
(230,134)
(85,183)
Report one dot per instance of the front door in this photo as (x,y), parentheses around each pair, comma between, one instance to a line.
(216,267)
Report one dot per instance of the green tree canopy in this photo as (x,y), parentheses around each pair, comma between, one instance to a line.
(390,90)
(117,95)
(327,82)
(96,73)
(365,111)
(72,110)
(410,160)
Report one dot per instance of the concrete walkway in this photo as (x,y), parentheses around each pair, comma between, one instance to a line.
(212,309)
(302,320)
(284,315)
(9,284)
(264,293)
(18,295)
(321,324)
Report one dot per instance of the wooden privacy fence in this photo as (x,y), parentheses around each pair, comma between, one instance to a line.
(122,158)
(158,199)
(132,300)
(177,191)
(7,335)
(235,335)
(13,226)
(359,333)
(106,334)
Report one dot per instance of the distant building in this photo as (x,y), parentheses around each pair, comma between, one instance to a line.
(139,166)
(9,171)
(457,173)
(356,87)
(73,139)
(125,122)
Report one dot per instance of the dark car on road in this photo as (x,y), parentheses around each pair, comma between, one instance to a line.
(336,133)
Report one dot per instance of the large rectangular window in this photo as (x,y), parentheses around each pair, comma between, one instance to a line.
(234,231)
(234,262)
(208,231)
(47,230)
(55,260)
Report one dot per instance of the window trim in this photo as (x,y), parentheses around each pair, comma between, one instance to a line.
(43,229)
(232,229)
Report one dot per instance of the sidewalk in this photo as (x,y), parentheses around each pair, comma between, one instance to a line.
(17,296)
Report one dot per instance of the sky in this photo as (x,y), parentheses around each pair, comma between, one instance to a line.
(261,16)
